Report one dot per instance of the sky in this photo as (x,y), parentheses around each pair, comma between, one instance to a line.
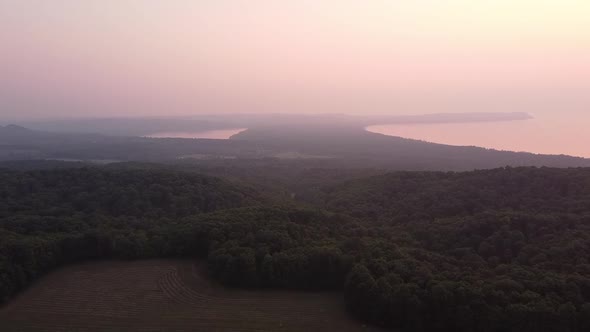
(179,57)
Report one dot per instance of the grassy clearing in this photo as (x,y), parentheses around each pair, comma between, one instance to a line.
(165,295)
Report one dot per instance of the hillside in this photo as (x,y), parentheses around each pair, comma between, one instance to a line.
(496,250)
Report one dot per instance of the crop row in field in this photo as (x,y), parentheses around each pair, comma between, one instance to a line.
(164,295)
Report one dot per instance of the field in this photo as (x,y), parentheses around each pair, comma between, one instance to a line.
(165,295)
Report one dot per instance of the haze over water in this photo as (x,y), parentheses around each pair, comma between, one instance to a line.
(66,58)
(546,133)
(208,134)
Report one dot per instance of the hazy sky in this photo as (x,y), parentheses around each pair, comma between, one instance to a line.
(167,57)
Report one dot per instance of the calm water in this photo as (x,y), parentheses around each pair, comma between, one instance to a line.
(551,134)
(211,134)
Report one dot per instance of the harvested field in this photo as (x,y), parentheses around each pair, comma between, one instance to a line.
(165,295)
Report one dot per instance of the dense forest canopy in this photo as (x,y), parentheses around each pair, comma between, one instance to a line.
(496,250)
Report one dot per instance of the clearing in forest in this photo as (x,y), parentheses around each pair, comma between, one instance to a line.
(165,295)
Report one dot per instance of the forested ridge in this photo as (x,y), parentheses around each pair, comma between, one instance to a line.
(497,250)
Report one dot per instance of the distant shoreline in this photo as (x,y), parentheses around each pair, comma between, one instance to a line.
(206,134)
(541,136)
(448,118)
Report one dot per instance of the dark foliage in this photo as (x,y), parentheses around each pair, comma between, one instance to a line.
(498,250)
(51,217)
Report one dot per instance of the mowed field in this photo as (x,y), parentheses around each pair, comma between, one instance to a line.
(165,295)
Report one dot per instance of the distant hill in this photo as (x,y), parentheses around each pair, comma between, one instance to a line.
(10,132)
(13,128)
(321,145)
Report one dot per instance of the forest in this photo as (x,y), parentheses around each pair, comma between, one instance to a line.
(495,250)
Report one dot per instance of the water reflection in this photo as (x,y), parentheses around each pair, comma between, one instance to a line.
(210,134)
(546,134)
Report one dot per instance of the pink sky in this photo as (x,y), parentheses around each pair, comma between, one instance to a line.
(148,57)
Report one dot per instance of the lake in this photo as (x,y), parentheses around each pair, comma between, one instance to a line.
(210,134)
(547,134)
